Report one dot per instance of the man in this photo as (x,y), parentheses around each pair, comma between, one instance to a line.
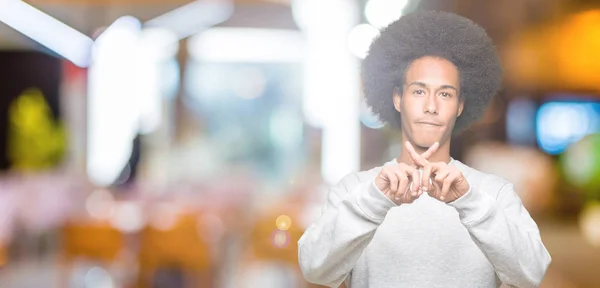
(425,219)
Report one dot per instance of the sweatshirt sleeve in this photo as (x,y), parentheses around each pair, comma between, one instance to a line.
(330,248)
(505,232)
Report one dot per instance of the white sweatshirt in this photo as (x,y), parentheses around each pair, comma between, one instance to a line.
(483,239)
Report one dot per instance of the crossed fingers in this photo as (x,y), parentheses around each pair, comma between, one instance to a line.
(420,161)
(444,175)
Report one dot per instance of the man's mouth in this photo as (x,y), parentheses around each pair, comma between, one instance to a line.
(431,123)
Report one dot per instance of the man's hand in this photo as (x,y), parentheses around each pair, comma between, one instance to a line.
(447,182)
(395,180)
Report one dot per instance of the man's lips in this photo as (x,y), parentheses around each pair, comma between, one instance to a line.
(432,123)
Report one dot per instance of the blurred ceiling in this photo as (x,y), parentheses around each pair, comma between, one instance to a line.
(87,16)
(83,17)
(502,19)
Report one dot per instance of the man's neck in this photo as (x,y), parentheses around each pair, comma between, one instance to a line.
(441,155)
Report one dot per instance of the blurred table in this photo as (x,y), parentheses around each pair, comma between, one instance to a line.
(575,263)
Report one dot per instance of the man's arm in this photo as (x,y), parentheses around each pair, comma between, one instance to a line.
(331,247)
(505,232)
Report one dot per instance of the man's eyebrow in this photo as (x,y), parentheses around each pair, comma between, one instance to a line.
(416,83)
(449,87)
(421,84)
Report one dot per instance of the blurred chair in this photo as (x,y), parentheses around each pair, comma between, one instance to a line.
(3,256)
(178,248)
(96,241)
(273,244)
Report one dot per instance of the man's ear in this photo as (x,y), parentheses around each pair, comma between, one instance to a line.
(397,98)
(461,106)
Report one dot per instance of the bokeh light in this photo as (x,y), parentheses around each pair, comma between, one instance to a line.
(283,222)
(280,239)
(581,163)
(164,216)
(560,124)
(98,278)
(128,217)
(380,13)
(360,39)
(589,223)
(368,118)
(100,204)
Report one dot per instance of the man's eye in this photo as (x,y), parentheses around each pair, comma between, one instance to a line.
(419,92)
(446,94)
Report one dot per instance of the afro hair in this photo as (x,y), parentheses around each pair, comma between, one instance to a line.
(437,34)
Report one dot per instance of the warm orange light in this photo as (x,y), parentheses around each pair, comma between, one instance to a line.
(557,56)
(578,42)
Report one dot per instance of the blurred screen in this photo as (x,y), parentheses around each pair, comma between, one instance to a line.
(562,122)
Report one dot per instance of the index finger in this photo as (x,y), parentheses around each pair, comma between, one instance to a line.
(430,151)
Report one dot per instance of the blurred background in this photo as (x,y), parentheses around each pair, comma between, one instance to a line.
(148,143)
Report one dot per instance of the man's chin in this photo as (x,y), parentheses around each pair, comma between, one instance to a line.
(422,140)
(424,144)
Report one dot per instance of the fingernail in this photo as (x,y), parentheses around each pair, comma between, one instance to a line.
(442,198)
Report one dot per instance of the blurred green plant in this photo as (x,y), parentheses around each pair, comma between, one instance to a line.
(36,141)
(580,165)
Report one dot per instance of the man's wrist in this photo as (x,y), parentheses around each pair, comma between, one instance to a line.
(474,206)
(374,203)
(462,196)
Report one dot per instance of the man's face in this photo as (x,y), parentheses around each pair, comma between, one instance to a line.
(429,102)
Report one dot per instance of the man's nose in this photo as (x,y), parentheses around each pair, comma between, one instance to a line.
(430,105)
